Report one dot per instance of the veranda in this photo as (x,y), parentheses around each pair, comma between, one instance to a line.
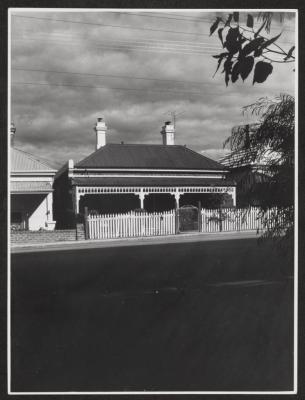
(113,200)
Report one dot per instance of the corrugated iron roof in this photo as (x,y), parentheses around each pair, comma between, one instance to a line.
(25,162)
(242,158)
(238,158)
(144,181)
(30,186)
(148,156)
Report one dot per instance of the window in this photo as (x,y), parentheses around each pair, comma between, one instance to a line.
(16,217)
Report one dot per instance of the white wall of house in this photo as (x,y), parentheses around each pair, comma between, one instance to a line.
(43,215)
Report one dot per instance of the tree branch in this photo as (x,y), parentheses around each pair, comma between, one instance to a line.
(277,61)
(274,44)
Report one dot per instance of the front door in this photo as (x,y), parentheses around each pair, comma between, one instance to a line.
(188,218)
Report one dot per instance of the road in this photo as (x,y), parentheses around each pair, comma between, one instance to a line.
(180,316)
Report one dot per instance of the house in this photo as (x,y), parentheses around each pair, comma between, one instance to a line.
(118,178)
(31,182)
(247,171)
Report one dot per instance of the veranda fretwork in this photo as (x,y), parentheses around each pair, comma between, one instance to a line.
(142,224)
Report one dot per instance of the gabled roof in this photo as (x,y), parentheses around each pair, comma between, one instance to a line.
(25,162)
(148,156)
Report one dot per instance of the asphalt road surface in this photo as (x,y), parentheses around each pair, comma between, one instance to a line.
(182,316)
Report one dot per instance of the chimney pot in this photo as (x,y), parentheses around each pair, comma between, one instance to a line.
(100,129)
(168,133)
(12,133)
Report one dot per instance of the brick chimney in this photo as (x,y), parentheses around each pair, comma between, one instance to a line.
(168,133)
(100,129)
(12,133)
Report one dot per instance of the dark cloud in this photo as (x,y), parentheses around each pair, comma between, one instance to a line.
(56,122)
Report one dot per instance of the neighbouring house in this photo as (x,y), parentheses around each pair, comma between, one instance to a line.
(247,171)
(118,178)
(31,190)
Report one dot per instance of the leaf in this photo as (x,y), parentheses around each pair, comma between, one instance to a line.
(250,21)
(227,78)
(232,42)
(228,65)
(220,58)
(221,55)
(252,46)
(218,66)
(289,54)
(258,32)
(236,16)
(258,52)
(227,69)
(270,41)
(235,72)
(215,26)
(228,21)
(220,35)
(262,71)
(245,67)
(267,18)
(242,68)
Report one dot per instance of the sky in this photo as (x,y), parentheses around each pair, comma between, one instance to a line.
(134,69)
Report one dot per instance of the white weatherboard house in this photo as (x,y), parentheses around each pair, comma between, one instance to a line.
(118,178)
(31,190)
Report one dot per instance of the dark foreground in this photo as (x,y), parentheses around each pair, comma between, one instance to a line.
(188,316)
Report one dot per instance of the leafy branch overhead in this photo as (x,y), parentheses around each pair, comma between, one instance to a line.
(245,49)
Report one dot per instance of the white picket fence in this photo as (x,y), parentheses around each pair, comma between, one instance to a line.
(131,224)
(233,219)
(139,224)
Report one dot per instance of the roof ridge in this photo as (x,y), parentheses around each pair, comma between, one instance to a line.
(90,155)
(205,157)
(143,144)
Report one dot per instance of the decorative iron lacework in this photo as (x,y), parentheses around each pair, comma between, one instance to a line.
(133,189)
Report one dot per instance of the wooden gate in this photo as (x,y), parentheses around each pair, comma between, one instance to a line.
(188,218)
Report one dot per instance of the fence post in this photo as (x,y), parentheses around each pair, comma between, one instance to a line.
(176,221)
(199,216)
(86,225)
(220,219)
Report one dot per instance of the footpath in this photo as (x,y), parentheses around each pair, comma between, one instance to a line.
(136,241)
